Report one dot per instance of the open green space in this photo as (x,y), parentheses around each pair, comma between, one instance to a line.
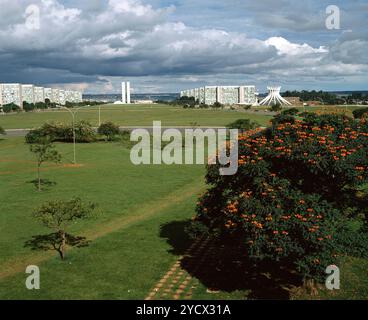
(125,194)
(133,115)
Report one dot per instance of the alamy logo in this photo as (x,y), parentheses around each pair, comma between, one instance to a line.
(189,148)
(33,280)
(333,17)
(333,280)
(32,16)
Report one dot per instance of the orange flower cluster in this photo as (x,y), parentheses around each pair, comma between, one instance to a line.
(232,207)
(257,224)
(230,224)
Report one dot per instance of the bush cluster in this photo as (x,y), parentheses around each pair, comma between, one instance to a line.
(84,133)
(7,108)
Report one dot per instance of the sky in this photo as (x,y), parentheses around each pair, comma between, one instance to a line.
(171,45)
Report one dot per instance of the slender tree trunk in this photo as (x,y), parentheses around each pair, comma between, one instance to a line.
(63,244)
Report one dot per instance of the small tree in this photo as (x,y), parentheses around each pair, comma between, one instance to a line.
(44,151)
(108,129)
(243,125)
(276,107)
(2,131)
(58,216)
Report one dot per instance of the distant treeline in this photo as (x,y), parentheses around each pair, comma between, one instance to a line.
(28,107)
(327,97)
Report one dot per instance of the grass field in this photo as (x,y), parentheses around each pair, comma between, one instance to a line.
(136,236)
(133,203)
(134,115)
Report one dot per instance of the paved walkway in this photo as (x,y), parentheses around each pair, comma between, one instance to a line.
(177,283)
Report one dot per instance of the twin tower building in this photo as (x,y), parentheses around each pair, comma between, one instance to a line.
(125,96)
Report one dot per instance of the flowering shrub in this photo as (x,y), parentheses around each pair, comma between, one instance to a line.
(289,200)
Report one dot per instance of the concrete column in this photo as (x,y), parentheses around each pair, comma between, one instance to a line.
(219,94)
(128,92)
(123,93)
(241,95)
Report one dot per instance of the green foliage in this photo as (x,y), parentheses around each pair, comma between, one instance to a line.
(84,103)
(7,108)
(109,129)
(58,216)
(2,131)
(243,125)
(28,106)
(84,133)
(276,107)
(217,105)
(324,97)
(294,193)
(290,111)
(360,113)
(282,118)
(40,105)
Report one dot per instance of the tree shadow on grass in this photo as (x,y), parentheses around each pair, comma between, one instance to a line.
(227,268)
(52,241)
(45,183)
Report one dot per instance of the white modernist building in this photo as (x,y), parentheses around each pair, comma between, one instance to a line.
(28,93)
(11,93)
(39,94)
(18,93)
(230,95)
(48,94)
(274,97)
(125,93)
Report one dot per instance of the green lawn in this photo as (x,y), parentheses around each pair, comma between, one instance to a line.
(126,195)
(133,115)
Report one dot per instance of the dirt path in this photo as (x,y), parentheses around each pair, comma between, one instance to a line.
(144,212)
